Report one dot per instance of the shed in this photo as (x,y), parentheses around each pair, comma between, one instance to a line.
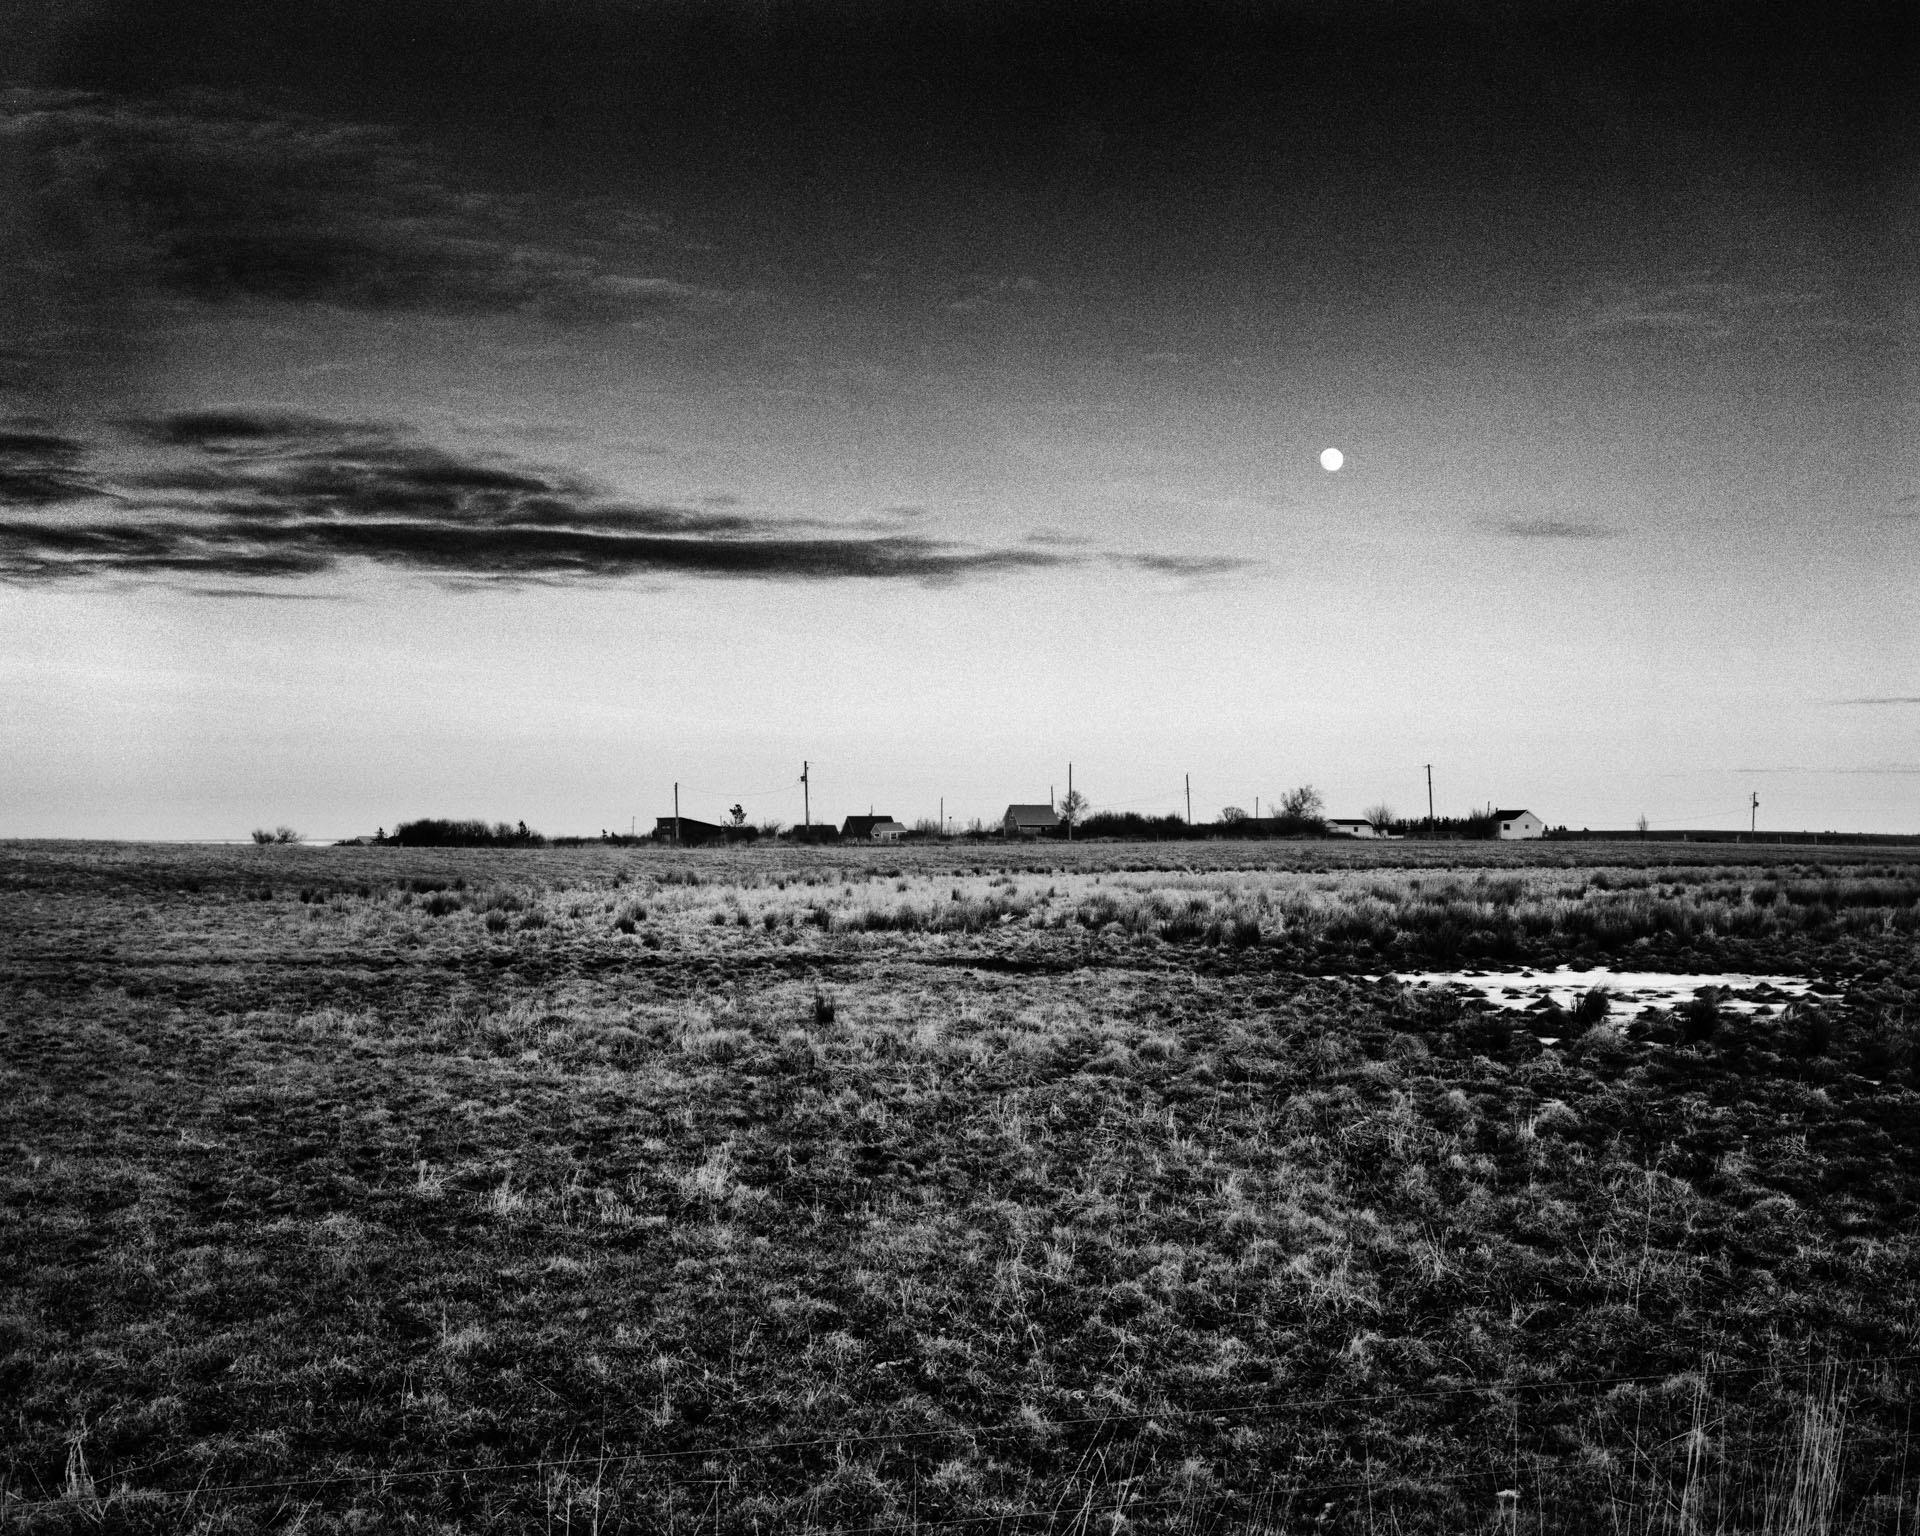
(1351,826)
(1509,825)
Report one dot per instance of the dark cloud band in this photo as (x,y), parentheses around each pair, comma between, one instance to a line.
(239,494)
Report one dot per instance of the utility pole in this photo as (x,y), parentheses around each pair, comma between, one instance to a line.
(1189,779)
(1753,817)
(1429,797)
(1069,799)
(676,814)
(943,815)
(806,797)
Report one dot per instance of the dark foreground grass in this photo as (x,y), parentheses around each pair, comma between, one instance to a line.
(1100,1189)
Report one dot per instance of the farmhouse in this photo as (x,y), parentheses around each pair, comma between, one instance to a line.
(1030,820)
(876,829)
(1351,826)
(1508,825)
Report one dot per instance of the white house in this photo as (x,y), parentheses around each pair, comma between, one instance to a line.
(887,832)
(1351,826)
(1508,825)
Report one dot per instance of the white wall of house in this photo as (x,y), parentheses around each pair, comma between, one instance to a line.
(1526,824)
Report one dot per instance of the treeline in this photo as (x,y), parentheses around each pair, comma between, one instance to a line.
(431,832)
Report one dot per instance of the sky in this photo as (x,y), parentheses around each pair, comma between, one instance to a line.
(513,408)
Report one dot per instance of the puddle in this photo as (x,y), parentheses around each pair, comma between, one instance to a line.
(1630,991)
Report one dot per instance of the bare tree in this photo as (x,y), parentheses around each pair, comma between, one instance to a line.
(1381,815)
(1303,804)
(1073,808)
(1233,813)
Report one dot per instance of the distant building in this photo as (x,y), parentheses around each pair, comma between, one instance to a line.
(1029,820)
(875,829)
(689,833)
(1351,826)
(1509,825)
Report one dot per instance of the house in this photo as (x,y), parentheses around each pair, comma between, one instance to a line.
(1351,826)
(689,833)
(1508,825)
(1029,820)
(875,829)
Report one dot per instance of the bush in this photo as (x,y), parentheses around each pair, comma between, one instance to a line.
(278,835)
(432,833)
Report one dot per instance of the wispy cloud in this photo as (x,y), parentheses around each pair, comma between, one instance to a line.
(1554,528)
(1185,565)
(219,202)
(1870,770)
(39,469)
(1893,698)
(1703,309)
(236,494)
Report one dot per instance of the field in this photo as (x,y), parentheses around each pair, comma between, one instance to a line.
(1094,1188)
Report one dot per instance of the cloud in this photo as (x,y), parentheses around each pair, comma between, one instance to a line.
(1704,309)
(236,494)
(1907,698)
(41,469)
(1555,528)
(119,202)
(1185,565)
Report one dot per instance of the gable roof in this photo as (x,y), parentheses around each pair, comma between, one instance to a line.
(1509,814)
(1032,816)
(1349,821)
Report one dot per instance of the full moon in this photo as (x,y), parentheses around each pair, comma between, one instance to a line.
(1331,459)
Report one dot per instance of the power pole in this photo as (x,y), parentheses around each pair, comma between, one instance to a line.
(676,815)
(806,797)
(1429,797)
(1069,799)
(1189,779)
(943,815)
(1753,808)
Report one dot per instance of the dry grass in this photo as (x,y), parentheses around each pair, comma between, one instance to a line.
(811,1190)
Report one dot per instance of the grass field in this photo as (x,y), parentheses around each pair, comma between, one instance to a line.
(1089,1188)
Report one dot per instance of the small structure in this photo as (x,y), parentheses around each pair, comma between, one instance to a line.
(685,832)
(1351,826)
(874,829)
(1030,820)
(1509,825)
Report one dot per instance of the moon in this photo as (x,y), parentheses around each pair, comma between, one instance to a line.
(1331,459)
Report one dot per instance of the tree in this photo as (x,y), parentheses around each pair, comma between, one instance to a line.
(1302,804)
(1073,807)
(737,817)
(1232,813)
(1380,815)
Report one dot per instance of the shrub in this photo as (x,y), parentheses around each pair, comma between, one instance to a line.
(432,833)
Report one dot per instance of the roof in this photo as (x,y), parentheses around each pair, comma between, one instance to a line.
(1033,815)
(1498,814)
(1349,821)
(862,826)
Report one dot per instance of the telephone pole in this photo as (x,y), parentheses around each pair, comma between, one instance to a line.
(806,797)
(676,814)
(1189,779)
(1069,800)
(1429,797)
(1753,810)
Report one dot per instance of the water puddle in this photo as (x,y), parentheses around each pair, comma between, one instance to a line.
(1628,991)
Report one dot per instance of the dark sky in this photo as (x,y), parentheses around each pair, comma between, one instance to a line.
(825,325)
